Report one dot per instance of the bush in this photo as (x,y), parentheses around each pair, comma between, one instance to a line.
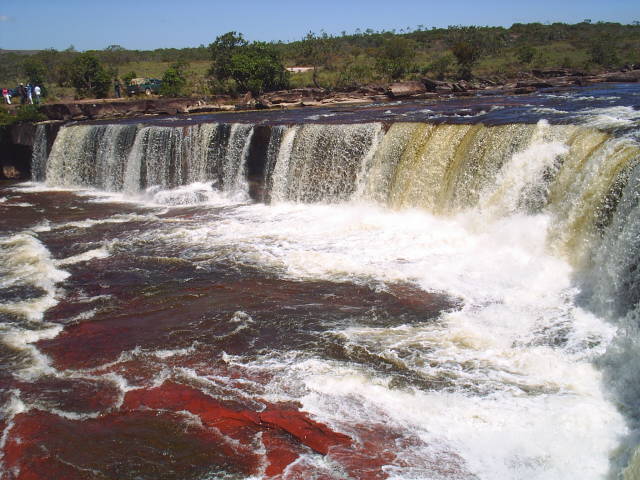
(254,67)
(440,66)
(174,80)
(89,77)
(24,113)
(395,57)
(467,54)
(353,75)
(602,52)
(526,54)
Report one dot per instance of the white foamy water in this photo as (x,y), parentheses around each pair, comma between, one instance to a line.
(25,262)
(514,391)
(610,117)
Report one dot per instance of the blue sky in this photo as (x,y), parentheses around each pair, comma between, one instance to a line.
(148,24)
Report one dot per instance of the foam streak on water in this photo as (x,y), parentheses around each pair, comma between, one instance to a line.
(25,262)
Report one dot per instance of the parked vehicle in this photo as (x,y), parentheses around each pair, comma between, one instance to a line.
(144,85)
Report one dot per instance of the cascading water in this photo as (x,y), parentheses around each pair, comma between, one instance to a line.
(132,159)
(39,157)
(414,300)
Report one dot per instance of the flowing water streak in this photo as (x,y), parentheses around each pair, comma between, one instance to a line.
(72,159)
(278,166)
(322,162)
(112,156)
(26,263)
(233,165)
(39,155)
(197,145)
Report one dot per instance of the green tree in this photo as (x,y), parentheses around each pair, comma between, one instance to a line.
(89,77)
(174,80)
(440,66)
(254,67)
(257,68)
(396,56)
(35,72)
(222,50)
(115,55)
(315,50)
(467,55)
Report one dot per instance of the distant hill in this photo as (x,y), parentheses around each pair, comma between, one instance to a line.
(20,52)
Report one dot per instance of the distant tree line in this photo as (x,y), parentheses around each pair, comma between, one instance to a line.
(231,64)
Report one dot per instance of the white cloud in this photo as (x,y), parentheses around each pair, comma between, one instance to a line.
(4,18)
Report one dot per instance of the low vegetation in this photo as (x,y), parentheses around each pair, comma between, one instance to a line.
(23,113)
(231,64)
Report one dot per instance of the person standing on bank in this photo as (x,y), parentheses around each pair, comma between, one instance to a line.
(30,93)
(23,94)
(7,97)
(116,86)
(37,91)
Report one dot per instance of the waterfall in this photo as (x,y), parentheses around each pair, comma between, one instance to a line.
(576,174)
(585,179)
(321,162)
(132,158)
(39,155)
(581,182)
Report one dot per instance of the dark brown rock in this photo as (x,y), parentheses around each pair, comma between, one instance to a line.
(101,109)
(534,84)
(623,77)
(277,98)
(371,90)
(430,85)
(22,134)
(437,86)
(551,73)
(524,90)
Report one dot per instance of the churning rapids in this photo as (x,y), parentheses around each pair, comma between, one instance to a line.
(455,296)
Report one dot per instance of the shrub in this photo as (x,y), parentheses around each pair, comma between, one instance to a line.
(89,77)
(467,54)
(174,80)
(254,67)
(525,54)
(24,113)
(395,58)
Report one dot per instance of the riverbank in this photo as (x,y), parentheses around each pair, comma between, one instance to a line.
(425,88)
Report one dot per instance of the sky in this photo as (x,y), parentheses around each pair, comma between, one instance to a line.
(150,24)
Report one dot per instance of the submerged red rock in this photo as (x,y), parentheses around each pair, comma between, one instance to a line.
(284,431)
(177,431)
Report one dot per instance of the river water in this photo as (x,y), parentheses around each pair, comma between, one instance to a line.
(403,291)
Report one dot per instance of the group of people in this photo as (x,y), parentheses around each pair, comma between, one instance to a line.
(28,94)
